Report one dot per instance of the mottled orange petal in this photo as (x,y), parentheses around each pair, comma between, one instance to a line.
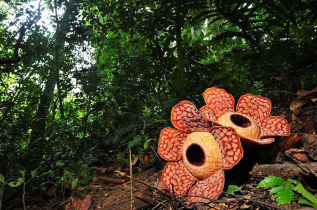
(230,145)
(256,107)
(186,117)
(219,101)
(260,141)
(176,178)
(275,126)
(170,144)
(208,115)
(210,188)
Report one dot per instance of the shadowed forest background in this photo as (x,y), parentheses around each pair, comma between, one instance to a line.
(82,82)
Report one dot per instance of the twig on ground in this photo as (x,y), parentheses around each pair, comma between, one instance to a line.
(131,179)
(157,205)
(156,154)
(143,200)
(256,201)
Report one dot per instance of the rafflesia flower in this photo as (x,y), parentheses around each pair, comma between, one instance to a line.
(197,154)
(251,119)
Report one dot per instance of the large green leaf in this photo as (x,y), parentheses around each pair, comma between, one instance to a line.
(271,181)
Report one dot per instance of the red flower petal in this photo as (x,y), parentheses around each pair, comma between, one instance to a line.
(170,144)
(230,145)
(219,101)
(177,178)
(186,117)
(254,106)
(208,115)
(260,141)
(275,126)
(210,187)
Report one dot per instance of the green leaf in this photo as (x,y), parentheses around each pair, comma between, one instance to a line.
(74,183)
(2,179)
(16,183)
(146,145)
(306,202)
(33,173)
(283,193)
(300,189)
(271,181)
(60,163)
(232,188)
(137,140)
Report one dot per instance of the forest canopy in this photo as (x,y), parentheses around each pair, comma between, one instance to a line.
(84,81)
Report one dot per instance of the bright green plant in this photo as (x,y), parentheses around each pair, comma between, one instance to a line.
(284,191)
(73,176)
(232,189)
(16,183)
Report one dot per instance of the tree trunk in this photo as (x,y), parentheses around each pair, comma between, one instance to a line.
(180,74)
(37,145)
(38,129)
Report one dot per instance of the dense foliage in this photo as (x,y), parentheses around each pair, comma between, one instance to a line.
(83,81)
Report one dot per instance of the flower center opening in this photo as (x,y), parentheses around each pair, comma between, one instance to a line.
(195,155)
(240,120)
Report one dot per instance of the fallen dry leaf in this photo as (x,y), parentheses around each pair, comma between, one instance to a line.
(301,157)
(302,93)
(298,103)
(79,204)
(294,117)
(309,127)
(289,142)
(135,160)
(86,203)
(310,144)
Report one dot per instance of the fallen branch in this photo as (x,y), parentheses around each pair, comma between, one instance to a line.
(285,170)
(111,180)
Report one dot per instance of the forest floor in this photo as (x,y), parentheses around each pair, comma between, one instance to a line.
(289,157)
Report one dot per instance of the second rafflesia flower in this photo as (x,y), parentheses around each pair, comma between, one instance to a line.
(251,118)
(197,154)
